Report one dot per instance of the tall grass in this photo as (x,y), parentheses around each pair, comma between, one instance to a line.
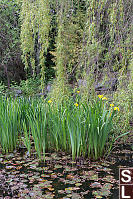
(37,127)
(99,118)
(83,128)
(33,120)
(57,126)
(9,117)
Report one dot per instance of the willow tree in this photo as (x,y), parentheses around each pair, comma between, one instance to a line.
(35,19)
(11,67)
(60,86)
(68,39)
(91,48)
(106,40)
(90,38)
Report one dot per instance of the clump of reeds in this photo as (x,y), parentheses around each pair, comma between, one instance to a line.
(82,128)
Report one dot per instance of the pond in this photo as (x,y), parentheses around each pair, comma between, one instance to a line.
(60,177)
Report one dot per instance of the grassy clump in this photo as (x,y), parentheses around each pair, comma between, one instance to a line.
(9,123)
(82,128)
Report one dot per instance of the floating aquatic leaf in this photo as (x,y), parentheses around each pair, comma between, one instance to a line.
(109,178)
(10,167)
(61,191)
(101,192)
(78,184)
(53,175)
(69,195)
(49,195)
(96,185)
(84,193)
(58,166)
(14,187)
(107,186)
(26,191)
(48,158)
(76,196)
(99,197)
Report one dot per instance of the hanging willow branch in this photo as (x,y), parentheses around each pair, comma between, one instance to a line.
(35,18)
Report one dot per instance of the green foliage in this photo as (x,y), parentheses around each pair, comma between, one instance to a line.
(60,86)
(106,40)
(89,127)
(26,88)
(9,122)
(35,26)
(83,128)
(123,97)
(94,34)
(10,62)
(87,39)
(2,88)
(36,118)
(30,87)
(90,37)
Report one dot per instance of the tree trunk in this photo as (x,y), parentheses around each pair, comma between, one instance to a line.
(7,75)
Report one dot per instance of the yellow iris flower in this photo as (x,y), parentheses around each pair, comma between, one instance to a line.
(111,105)
(104,98)
(49,101)
(116,108)
(100,96)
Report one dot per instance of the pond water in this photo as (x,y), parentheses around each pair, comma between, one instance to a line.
(59,177)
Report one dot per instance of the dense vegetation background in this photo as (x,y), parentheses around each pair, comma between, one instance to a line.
(69,44)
